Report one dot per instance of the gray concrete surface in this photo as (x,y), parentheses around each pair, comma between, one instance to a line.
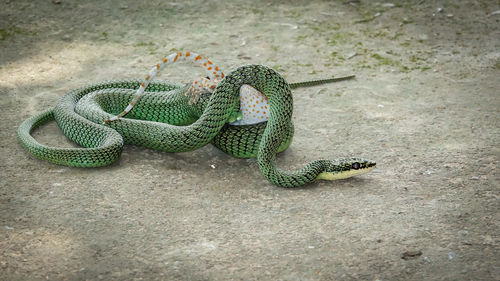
(425,105)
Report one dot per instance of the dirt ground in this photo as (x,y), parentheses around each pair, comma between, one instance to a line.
(425,105)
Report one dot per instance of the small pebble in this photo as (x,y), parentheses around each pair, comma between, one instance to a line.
(408,255)
(451,255)
(292,26)
(350,55)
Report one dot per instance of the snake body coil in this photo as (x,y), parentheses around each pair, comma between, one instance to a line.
(178,126)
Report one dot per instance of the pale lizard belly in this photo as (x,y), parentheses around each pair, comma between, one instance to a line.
(254,106)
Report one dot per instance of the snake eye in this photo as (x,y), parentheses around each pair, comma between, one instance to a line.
(355,165)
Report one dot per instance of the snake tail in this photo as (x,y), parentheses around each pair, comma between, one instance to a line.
(320,82)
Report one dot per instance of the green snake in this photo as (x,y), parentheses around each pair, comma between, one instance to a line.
(164,120)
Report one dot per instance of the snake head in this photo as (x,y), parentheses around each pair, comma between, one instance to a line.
(345,168)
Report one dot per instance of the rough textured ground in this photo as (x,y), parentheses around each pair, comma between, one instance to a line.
(425,105)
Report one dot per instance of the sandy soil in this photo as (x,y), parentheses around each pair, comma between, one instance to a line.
(425,105)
